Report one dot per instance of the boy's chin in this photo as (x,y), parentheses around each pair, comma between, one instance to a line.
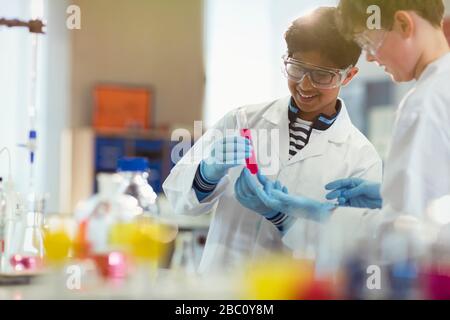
(400,79)
(311,108)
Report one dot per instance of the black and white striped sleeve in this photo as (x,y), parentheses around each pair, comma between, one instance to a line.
(282,221)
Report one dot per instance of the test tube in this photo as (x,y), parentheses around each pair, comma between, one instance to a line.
(245,132)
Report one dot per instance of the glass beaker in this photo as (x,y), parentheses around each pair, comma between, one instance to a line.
(184,256)
(31,249)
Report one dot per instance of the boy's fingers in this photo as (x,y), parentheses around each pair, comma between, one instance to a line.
(268,188)
(342,201)
(245,184)
(280,196)
(240,195)
(341,183)
(232,158)
(334,194)
(262,178)
(277,185)
(259,192)
(355,192)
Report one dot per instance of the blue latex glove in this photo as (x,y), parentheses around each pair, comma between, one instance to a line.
(281,201)
(355,192)
(226,153)
(249,199)
(300,207)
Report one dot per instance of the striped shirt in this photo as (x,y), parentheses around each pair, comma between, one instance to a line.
(299,131)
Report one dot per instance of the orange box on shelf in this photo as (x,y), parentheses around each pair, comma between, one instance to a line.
(122,107)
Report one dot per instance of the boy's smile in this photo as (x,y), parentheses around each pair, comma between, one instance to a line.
(311,100)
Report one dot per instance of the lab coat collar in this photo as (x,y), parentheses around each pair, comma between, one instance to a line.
(277,114)
(319,140)
(322,121)
(341,128)
(440,65)
(278,111)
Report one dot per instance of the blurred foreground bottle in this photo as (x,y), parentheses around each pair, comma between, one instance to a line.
(135,173)
(31,246)
(184,255)
(401,249)
(283,278)
(435,271)
(97,217)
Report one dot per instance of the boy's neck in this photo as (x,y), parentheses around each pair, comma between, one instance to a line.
(435,47)
(329,110)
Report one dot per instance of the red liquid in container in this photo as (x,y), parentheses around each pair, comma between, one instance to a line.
(252,166)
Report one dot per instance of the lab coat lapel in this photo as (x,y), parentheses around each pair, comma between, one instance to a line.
(319,140)
(278,116)
(316,146)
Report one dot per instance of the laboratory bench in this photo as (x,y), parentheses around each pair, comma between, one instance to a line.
(167,284)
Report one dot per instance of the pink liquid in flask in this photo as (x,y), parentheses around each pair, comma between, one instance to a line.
(246,133)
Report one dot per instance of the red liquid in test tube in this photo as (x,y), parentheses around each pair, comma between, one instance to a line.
(245,132)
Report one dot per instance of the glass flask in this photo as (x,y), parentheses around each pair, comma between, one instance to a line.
(31,249)
(135,173)
(184,256)
(97,217)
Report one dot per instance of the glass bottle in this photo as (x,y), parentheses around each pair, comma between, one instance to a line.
(135,173)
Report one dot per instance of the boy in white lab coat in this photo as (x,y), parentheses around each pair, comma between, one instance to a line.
(410,45)
(310,141)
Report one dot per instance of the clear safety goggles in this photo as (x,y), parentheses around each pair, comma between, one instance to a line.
(370,42)
(320,77)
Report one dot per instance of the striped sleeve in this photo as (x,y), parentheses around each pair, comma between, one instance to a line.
(282,221)
(202,187)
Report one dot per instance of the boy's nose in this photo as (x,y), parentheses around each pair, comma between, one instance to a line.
(305,83)
(370,58)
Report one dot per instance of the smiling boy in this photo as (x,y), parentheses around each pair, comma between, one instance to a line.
(316,143)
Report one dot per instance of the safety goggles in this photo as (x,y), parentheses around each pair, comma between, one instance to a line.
(372,42)
(320,77)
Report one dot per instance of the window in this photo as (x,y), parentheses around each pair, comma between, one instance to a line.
(243,48)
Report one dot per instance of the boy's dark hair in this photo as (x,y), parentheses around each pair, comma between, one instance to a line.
(318,32)
(353,14)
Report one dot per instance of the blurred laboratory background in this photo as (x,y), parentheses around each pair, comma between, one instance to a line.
(130,73)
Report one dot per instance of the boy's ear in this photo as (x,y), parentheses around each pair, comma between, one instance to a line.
(350,75)
(404,23)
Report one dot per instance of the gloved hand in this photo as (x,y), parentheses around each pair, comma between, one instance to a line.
(226,153)
(355,192)
(300,207)
(249,199)
(280,201)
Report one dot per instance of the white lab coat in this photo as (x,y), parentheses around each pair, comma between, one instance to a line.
(417,170)
(237,233)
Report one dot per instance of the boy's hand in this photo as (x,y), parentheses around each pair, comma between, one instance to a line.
(248,196)
(276,197)
(355,192)
(226,153)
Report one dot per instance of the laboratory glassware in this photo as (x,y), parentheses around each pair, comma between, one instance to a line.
(135,173)
(244,130)
(97,217)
